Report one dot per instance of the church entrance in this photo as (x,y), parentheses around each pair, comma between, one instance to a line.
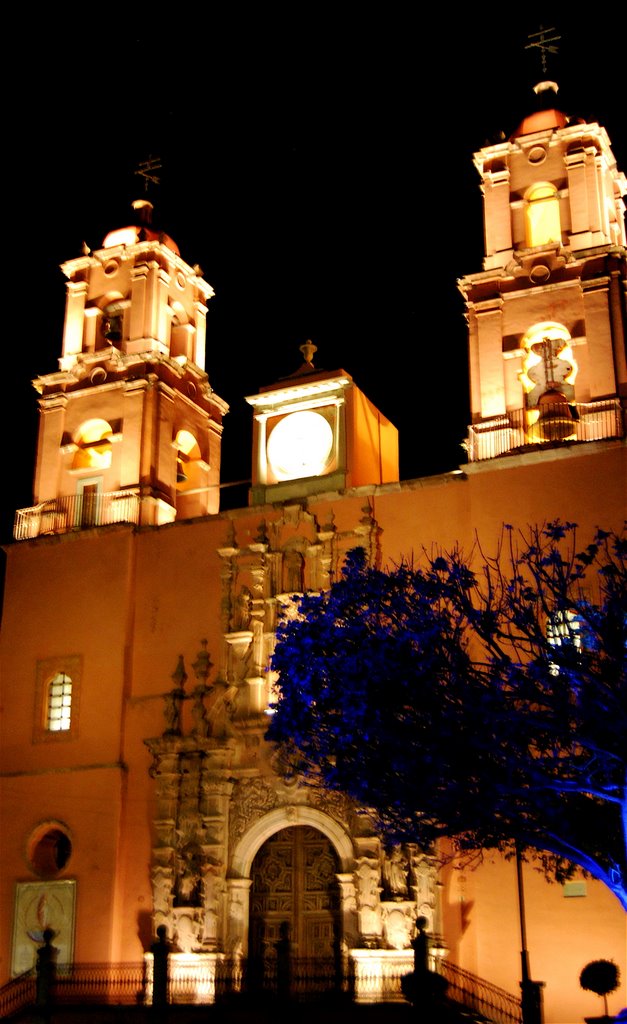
(295,895)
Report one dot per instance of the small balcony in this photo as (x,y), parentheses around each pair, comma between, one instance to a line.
(76,512)
(551,424)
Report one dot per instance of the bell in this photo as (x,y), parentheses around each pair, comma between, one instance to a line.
(181,476)
(555,419)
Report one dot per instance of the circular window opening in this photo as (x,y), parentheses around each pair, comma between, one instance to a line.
(50,852)
(536,155)
(539,273)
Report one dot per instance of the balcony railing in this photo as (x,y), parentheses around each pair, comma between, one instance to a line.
(550,424)
(76,512)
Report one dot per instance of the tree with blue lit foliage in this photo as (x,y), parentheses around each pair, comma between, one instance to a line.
(483,699)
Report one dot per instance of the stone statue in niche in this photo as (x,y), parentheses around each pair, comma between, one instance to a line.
(221,711)
(243,610)
(395,867)
(293,571)
(188,885)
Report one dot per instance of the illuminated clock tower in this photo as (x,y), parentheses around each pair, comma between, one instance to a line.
(317,428)
(130,428)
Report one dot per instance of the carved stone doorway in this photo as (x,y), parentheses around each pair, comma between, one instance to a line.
(294,881)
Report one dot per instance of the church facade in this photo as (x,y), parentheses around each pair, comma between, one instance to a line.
(139,621)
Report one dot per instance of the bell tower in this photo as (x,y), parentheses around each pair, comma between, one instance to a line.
(129,427)
(547,314)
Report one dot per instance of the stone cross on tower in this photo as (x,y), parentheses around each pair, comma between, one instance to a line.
(147,170)
(543,42)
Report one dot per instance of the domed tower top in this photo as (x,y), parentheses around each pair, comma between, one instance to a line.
(547,115)
(141,230)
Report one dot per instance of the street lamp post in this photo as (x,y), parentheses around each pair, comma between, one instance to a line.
(531,990)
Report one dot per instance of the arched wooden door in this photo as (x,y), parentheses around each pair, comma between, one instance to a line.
(294,881)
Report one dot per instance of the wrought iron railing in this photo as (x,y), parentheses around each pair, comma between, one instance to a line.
(205,980)
(115,984)
(76,512)
(551,423)
(98,984)
(478,995)
(17,993)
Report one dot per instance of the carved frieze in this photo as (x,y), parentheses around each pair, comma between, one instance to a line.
(336,805)
(252,798)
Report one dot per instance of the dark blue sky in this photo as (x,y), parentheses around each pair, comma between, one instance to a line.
(316,162)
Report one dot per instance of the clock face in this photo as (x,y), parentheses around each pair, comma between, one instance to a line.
(300,445)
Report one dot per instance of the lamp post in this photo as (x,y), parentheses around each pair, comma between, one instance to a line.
(531,990)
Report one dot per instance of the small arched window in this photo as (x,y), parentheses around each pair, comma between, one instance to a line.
(59,703)
(58,686)
(542,215)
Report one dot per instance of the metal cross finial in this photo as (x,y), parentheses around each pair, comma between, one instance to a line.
(542,42)
(146,171)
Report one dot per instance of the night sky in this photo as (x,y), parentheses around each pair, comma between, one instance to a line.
(316,162)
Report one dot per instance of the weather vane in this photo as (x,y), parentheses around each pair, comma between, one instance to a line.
(542,42)
(146,170)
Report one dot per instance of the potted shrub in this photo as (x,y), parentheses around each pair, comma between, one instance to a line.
(602,977)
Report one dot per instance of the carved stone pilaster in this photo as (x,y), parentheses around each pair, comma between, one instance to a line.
(189,854)
(238,903)
(423,885)
(367,880)
(348,911)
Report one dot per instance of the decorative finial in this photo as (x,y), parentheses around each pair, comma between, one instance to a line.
(146,170)
(179,676)
(143,208)
(543,42)
(308,350)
